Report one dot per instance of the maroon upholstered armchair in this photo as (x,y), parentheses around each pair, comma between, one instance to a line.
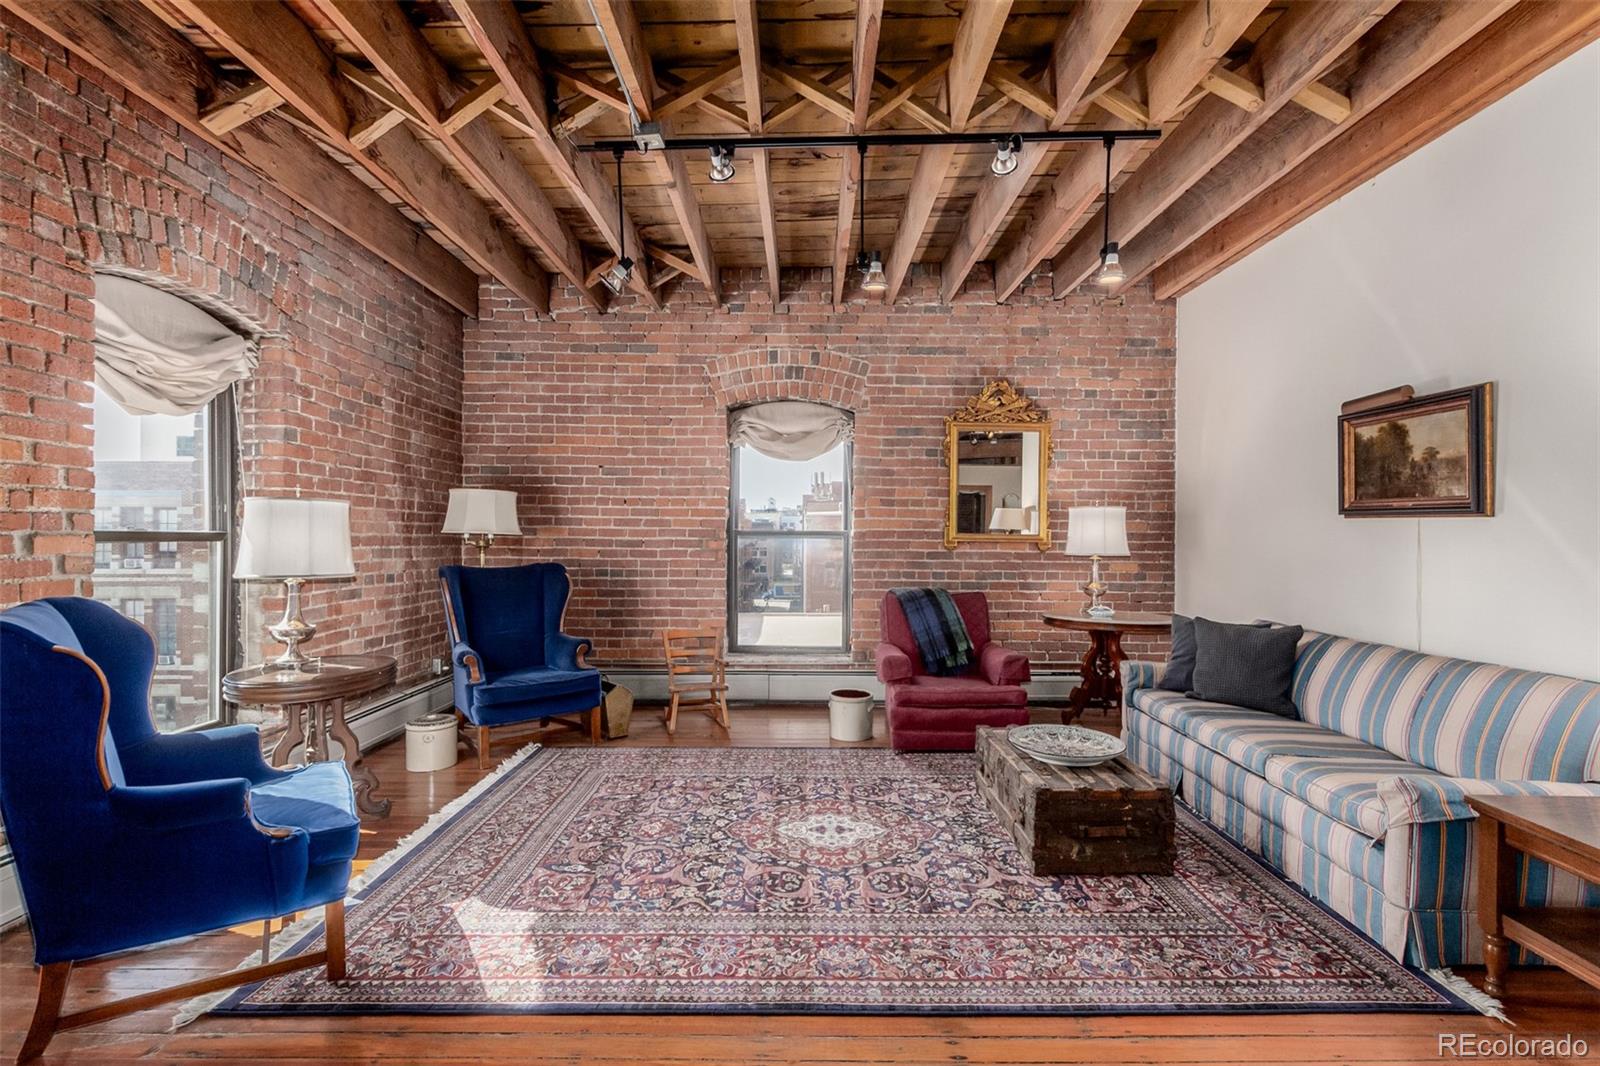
(932,713)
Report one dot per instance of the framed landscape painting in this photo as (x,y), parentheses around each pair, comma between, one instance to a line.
(1432,455)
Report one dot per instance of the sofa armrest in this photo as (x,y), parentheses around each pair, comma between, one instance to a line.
(893,664)
(199,755)
(567,652)
(1135,676)
(467,662)
(1002,666)
(1420,799)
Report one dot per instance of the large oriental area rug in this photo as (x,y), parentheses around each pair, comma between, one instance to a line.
(715,880)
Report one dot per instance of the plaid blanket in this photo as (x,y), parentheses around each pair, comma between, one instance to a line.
(936,626)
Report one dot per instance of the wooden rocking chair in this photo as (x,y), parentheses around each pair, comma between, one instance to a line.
(697,675)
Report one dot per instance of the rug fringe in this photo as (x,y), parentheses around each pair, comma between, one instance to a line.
(1476,998)
(292,934)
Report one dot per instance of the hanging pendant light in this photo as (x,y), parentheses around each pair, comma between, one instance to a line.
(616,279)
(873,279)
(1110,275)
(1005,156)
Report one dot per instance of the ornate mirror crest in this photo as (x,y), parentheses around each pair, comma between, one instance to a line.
(999,401)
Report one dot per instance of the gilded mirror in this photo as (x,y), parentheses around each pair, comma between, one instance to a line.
(997,448)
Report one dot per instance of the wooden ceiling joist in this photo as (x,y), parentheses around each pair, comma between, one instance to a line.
(1198,37)
(836,78)
(283,51)
(749,66)
(618,20)
(863,68)
(251,102)
(1303,42)
(1521,44)
(502,38)
(1410,41)
(137,49)
(1082,44)
(380,31)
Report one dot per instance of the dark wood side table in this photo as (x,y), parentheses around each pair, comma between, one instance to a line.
(313,703)
(1563,831)
(1102,684)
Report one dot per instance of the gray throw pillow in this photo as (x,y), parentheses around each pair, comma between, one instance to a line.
(1179,673)
(1247,666)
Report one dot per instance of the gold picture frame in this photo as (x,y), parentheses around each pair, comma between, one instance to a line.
(1000,411)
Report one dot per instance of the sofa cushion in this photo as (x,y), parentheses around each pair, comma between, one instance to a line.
(1247,737)
(1178,674)
(1345,788)
(1363,690)
(1249,666)
(515,686)
(925,690)
(1482,721)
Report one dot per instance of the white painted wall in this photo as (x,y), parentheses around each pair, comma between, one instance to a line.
(1475,259)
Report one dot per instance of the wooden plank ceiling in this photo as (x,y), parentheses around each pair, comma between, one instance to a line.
(422,127)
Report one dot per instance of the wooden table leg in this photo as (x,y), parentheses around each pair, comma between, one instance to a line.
(366,781)
(1100,686)
(1496,882)
(293,735)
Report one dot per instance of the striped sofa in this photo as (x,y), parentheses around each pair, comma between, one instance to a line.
(1362,800)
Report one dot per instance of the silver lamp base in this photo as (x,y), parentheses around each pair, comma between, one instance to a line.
(1097,589)
(292,629)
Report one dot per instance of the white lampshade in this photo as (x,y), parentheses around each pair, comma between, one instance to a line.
(1097,531)
(491,511)
(1009,520)
(282,538)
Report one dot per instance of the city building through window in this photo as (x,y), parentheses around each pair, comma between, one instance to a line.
(789,551)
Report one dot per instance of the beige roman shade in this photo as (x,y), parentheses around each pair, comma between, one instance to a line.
(158,354)
(790,429)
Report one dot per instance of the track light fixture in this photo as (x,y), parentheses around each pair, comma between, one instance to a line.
(873,279)
(616,279)
(871,266)
(721,163)
(1005,156)
(1110,275)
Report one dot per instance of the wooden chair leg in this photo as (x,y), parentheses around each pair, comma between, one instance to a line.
(483,747)
(52,993)
(672,715)
(333,923)
(594,726)
(722,709)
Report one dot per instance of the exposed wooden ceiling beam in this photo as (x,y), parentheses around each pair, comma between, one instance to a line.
(590,86)
(619,20)
(380,31)
(1331,104)
(748,63)
(695,90)
(283,51)
(139,51)
(1077,57)
(1199,36)
(977,34)
(933,165)
(502,38)
(906,88)
(1078,63)
(933,117)
(1233,87)
(676,262)
(1523,42)
(251,102)
(835,79)
(1010,81)
(470,105)
(863,58)
(1303,42)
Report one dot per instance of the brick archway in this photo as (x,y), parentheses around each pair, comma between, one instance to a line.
(758,375)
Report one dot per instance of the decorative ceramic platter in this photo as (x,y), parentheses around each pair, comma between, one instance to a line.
(1066,745)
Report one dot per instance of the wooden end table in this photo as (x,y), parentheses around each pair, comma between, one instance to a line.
(1102,663)
(313,704)
(1564,831)
(1100,820)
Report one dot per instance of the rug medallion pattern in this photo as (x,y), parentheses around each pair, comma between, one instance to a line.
(773,880)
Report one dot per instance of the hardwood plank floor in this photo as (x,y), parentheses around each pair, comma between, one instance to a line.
(1543,1003)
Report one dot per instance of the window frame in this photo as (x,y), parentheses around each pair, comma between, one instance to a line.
(221,487)
(845,537)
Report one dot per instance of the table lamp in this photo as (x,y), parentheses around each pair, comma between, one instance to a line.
(1097,531)
(293,541)
(1009,520)
(480,515)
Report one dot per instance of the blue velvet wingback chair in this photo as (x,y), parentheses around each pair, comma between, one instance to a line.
(512,662)
(124,836)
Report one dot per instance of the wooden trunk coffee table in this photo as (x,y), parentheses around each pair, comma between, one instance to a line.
(1108,819)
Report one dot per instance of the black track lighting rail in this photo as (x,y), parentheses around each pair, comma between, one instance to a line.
(862,142)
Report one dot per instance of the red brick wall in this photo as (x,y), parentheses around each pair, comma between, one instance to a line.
(612,430)
(359,389)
